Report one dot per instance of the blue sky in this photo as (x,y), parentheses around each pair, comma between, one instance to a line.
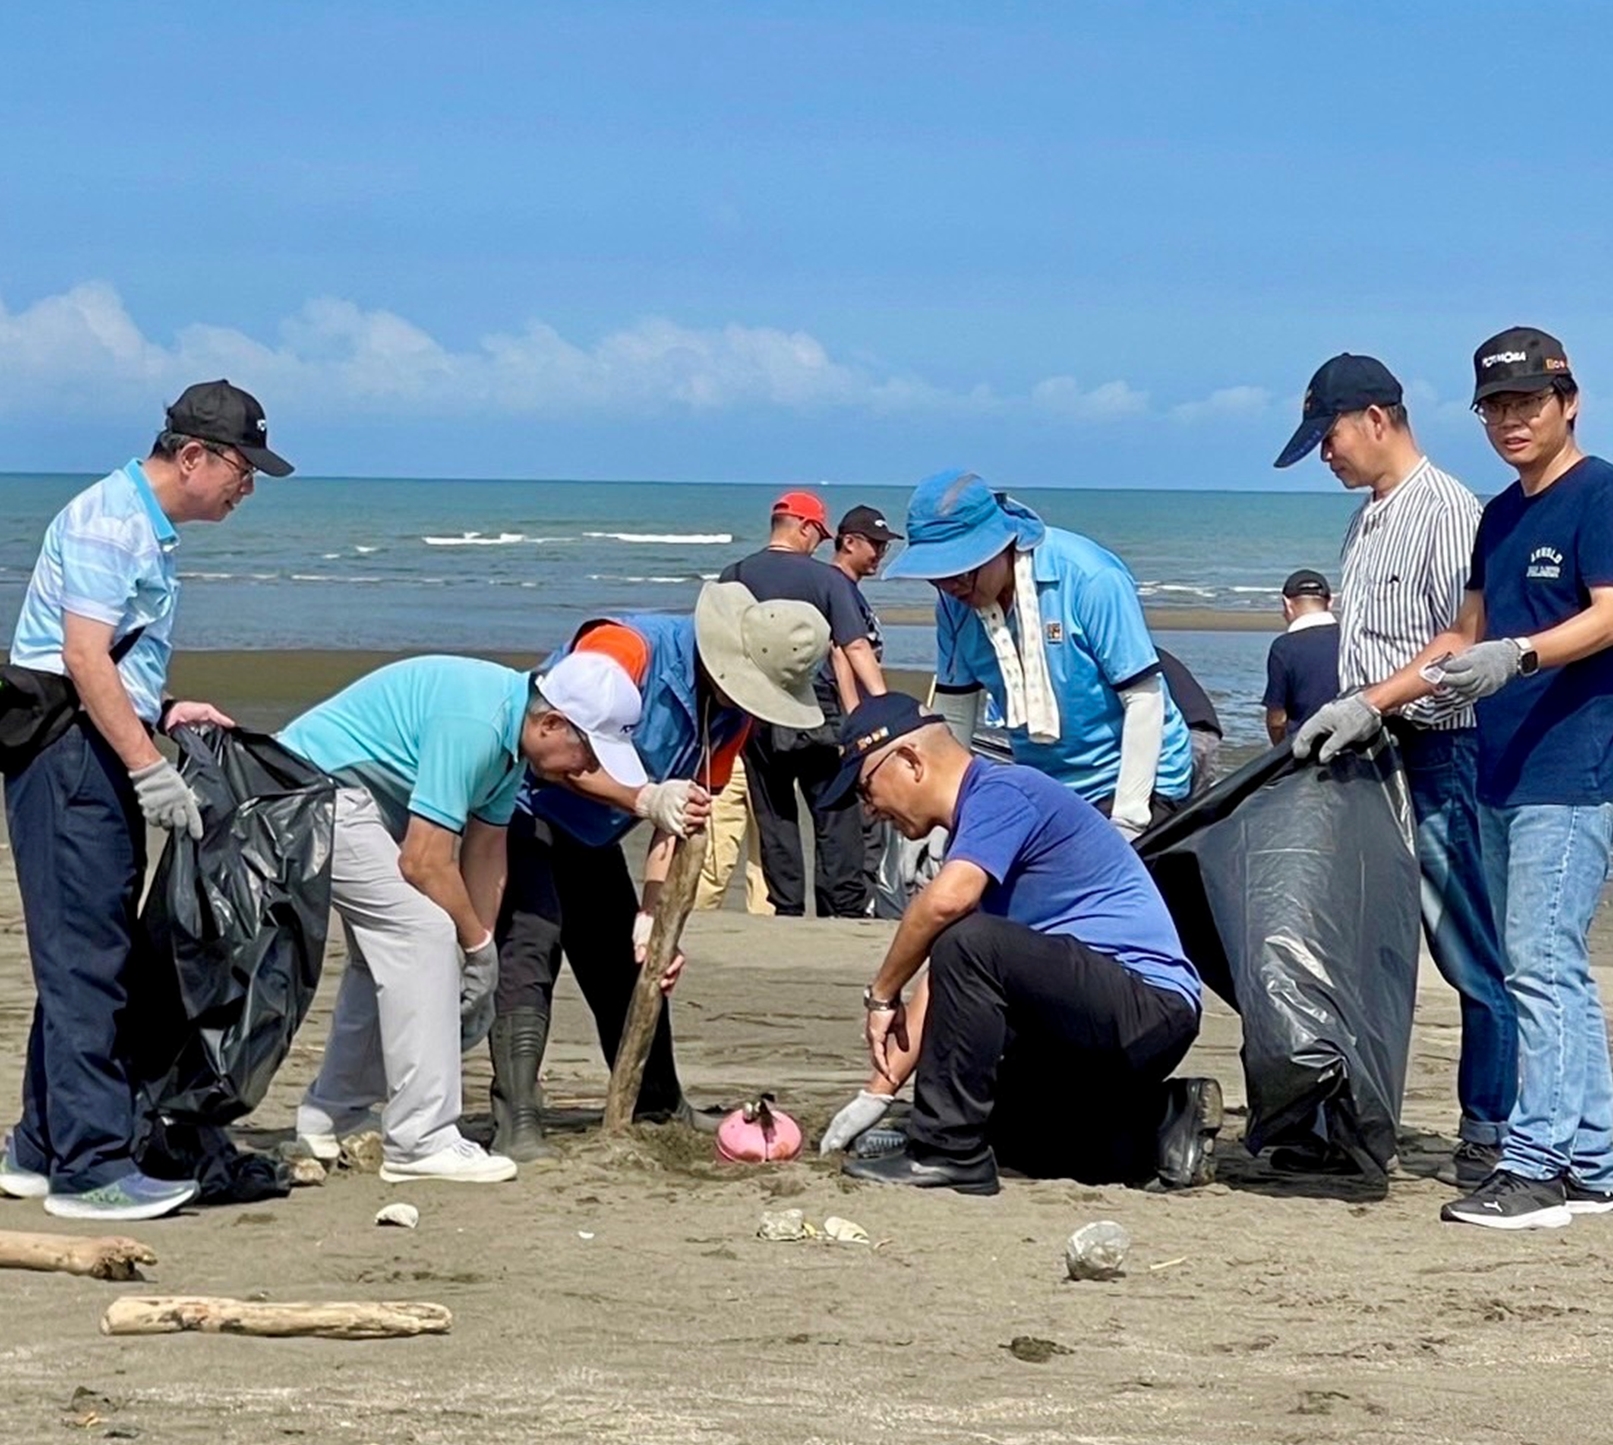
(1061,244)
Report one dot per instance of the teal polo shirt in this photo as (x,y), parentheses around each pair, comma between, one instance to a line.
(435,737)
(1096,642)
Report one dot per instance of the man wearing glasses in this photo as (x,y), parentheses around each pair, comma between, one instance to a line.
(1049,623)
(1532,647)
(1405,567)
(99,611)
(779,759)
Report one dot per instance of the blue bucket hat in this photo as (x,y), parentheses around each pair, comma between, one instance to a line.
(955,523)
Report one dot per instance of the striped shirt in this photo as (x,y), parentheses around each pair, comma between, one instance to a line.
(1405,563)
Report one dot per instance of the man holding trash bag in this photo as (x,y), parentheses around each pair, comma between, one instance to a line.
(92,646)
(432,751)
(702,679)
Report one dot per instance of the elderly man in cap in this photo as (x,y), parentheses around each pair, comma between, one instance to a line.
(432,751)
(1049,623)
(779,759)
(92,646)
(1532,647)
(702,679)
(1406,556)
(1302,666)
(1058,999)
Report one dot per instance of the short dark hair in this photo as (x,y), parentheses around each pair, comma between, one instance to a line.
(170,443)
(1397,416)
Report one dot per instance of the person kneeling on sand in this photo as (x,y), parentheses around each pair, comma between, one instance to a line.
(1055,974)
(702,679)
(432,752)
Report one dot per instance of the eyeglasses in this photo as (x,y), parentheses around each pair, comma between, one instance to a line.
(244,471)
(862,783)
(960,585)
(1495,410)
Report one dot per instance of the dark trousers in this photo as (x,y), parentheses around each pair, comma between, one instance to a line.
(563,896)
(841,889)
(1051,1053)
(80,849)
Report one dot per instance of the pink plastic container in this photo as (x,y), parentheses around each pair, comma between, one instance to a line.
(758,1134)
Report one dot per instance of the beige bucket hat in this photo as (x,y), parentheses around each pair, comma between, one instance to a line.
(763,655)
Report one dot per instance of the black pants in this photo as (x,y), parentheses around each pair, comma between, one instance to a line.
(80,848)
(841,889)
(1053,1054)
(563,896)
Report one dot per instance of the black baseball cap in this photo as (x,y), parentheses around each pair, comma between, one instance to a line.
(1344,384)
(1306,583)
(871,725)
(867,522)
(1519,359)
(215,411)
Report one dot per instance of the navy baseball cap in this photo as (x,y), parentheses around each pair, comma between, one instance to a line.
(1344,384)
(871,725)
(215,411)
(1306,583)
(1519,359)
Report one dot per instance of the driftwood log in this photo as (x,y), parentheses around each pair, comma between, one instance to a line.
(176,1314)
(111,1257)
(671,913)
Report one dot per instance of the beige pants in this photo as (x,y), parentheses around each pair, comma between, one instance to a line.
(733,831)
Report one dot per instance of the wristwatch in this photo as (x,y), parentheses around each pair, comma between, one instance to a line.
(878,1005)
(1528,658)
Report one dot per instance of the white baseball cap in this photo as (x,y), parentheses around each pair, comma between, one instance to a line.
(597,697)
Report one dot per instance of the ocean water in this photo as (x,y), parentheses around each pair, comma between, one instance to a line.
(339,563)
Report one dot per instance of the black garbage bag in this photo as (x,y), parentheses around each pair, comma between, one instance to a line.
(236,928)
(1295,890)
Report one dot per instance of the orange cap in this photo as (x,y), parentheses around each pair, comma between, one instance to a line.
(805,506)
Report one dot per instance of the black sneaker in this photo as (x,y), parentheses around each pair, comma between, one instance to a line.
(1509,1201)
(1186,1152)
(1470,1165)
(1582,1199)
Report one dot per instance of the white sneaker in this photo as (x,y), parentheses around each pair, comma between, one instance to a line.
(327,1148)
(461,1163)
(18,1182)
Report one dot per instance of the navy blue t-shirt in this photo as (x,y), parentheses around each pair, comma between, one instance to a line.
(1057,865)
(1547,738)
(1302,672)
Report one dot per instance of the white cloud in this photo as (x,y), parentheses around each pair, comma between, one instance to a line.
(1063,398)
(1227,402)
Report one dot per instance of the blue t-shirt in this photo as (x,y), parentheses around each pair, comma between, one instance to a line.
(1302,671)
(439,737)
(1057,865)
(1547,738)
(1096,641)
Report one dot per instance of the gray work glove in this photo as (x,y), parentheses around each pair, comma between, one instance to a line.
(1343,723)
(1484,668)
(664,803)
(859,1116)
(478,985)
(166,798)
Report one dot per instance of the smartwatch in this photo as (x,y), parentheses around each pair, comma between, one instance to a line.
(1528,658)
(878,1005)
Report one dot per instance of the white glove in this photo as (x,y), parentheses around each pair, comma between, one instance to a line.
(664,804)
(1128,828)
(478,983)
(166,798)
(643,926)
(859,1116)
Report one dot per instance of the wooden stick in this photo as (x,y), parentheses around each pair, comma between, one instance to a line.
(644,1013)
(109,1257)
(175,1314)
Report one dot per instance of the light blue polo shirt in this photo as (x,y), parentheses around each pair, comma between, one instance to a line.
(1095,640)
(438,737)
(108,555)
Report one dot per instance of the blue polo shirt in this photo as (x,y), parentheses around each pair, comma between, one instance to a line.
(436,737)
(1547,738)
(109,556)
(1057,865)
(1096,641)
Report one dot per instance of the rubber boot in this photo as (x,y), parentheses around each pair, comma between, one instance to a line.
(517,1041)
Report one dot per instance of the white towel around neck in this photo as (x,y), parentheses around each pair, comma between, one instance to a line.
(1026,682)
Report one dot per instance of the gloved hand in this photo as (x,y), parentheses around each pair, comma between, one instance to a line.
(859,1116)
(166,799)
(1484,668)
(478,983)
(666,805)
(643,926)
(1342,723)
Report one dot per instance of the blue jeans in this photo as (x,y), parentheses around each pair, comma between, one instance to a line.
(1441,772)
(1546,864)
(80,848)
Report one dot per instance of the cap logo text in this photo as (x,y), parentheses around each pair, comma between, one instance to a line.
(1502,357)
